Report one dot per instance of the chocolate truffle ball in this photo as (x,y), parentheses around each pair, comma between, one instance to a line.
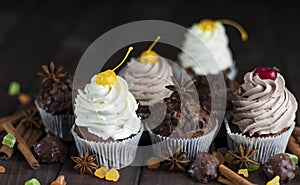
(281,165)
(50,150)
(204,168)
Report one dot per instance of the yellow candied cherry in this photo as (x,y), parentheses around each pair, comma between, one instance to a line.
(109,77)
(209,25)
(274,181)
(149,56)
(101,172)
(243,172)
(112,175)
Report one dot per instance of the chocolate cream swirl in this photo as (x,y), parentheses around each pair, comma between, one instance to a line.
(263,106)
(147,82)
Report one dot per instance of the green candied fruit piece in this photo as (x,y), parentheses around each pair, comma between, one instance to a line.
(14,88)
(293,157)
(253,167)
(32,181)
(9,140)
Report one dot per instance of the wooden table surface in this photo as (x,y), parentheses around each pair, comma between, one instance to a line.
(33,33)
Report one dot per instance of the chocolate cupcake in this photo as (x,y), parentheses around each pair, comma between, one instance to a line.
(263,114)
(204,89)
(181,121)
(280,165)
(54,101)
(204,167)
(106,122)
(206,48)
(147,77)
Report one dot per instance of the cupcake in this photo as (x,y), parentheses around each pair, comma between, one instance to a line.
(106,123)
(147,77)
(184,124)
(207,45)
(205,84)
(54,101)
(263,114)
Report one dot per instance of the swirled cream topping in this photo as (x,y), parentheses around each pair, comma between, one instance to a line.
(263,106)
(147,81)
(107,112)
(206,51)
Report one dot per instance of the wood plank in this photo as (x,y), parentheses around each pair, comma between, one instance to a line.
(160,177)
(128,175)
(18,171)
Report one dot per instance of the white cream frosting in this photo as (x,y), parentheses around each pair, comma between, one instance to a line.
(147,82)
(107,112)
(263,106)
(204,62)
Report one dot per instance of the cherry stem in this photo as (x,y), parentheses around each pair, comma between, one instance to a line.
(153,44)
(128,51)
(237,26)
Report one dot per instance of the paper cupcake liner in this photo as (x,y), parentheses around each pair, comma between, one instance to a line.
(115,154)
(191,146)
(267,146)
(59,125)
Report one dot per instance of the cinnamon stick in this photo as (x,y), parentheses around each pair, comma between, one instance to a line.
(22,146)
(36,135)
(293,146)
(10,118)
(27,135)
(225,181)
(234,177)
(5,151)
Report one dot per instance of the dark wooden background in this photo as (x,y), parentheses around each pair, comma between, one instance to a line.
(33,33)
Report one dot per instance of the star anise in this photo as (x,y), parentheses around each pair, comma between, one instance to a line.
(182,88)
(31,119)
(244,156)
(176,160)
(52,73)
(86,163)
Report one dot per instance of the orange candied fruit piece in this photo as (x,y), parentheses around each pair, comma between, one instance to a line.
(60,180)
(2,169)
(153,163)
(24,98)
(112,175)
(101,172)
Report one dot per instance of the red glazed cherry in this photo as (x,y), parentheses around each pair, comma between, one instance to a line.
(266,73)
